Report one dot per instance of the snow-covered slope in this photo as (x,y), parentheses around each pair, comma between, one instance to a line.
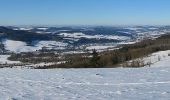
(85,84)
(19,46)
(157,59)
(4,60)
(81,35)
(99,48)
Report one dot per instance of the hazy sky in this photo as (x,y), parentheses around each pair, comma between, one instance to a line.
(84,12)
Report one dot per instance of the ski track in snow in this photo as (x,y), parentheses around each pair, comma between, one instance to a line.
(85,84)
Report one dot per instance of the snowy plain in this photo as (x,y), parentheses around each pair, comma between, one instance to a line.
(85,84)
(19,46)
(147,83)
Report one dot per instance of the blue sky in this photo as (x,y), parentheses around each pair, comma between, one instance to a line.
(85,12)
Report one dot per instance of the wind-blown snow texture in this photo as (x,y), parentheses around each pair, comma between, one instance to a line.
(85,84)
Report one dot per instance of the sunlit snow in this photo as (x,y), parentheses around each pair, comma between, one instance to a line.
(85,84)
(19,46)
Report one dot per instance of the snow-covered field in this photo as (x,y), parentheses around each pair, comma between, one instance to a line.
(4,60)
(81,35)
(85,84)
(99,47)
(19,46)
(147,83)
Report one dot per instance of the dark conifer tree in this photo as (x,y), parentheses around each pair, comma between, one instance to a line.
(95,61)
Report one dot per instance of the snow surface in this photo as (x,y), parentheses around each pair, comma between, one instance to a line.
(99,47)
(81,35)
(127,42)
(4,60)
(147,83)
(153,28)
(157,59)
(133,28)
(85,84)
(19,46)
(25,28)
(42,64)
(42,28)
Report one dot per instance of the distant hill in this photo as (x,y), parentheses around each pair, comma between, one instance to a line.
(20,35)
(78,38)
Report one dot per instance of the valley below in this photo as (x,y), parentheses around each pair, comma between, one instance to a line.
(41,47)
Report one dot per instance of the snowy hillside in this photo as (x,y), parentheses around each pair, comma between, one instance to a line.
(4,60)
(85,84)
(19,46)
(157,59)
